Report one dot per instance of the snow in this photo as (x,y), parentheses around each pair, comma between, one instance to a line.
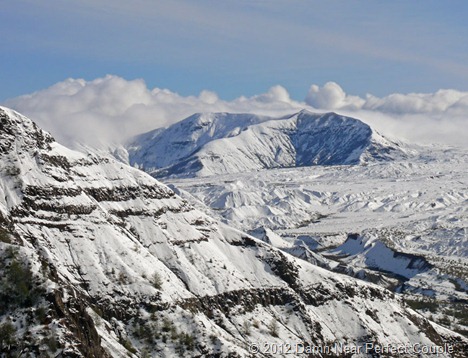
(107,228)
(218,143)
(411,206)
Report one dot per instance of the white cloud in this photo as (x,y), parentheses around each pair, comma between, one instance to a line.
(275,94)
(442,101)
(332,97)
(440,117)
(208,97)
(112,109)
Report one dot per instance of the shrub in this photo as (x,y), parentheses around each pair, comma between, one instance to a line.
(273,328)
(18,287)
(122,279)
(145,353)
(129,346)
(156,281)
(188,340)
(166,325)
(246,328)
(7,336)
(41,314)
(52,343)
(4,236)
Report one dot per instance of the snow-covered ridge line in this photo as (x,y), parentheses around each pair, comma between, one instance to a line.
(217,143)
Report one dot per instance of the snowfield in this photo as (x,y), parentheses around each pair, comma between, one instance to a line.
(410,217)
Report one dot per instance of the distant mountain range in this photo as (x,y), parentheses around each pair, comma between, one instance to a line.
(218,143)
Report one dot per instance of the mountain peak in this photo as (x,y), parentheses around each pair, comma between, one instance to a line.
(215,143)
(16,128)
(305,111)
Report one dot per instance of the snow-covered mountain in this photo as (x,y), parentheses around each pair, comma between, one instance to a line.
(217,143)
(98,259)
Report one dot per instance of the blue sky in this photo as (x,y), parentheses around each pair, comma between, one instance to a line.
(237,47)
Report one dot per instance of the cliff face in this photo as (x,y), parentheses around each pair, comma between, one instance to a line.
(115,264)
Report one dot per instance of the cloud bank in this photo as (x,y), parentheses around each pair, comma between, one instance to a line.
(110,110)
(445,101)
(440,117)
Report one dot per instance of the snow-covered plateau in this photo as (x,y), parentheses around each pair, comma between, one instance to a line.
(99,259)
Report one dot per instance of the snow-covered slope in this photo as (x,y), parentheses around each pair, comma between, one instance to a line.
(217,143)
(128,268)
(401,210)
